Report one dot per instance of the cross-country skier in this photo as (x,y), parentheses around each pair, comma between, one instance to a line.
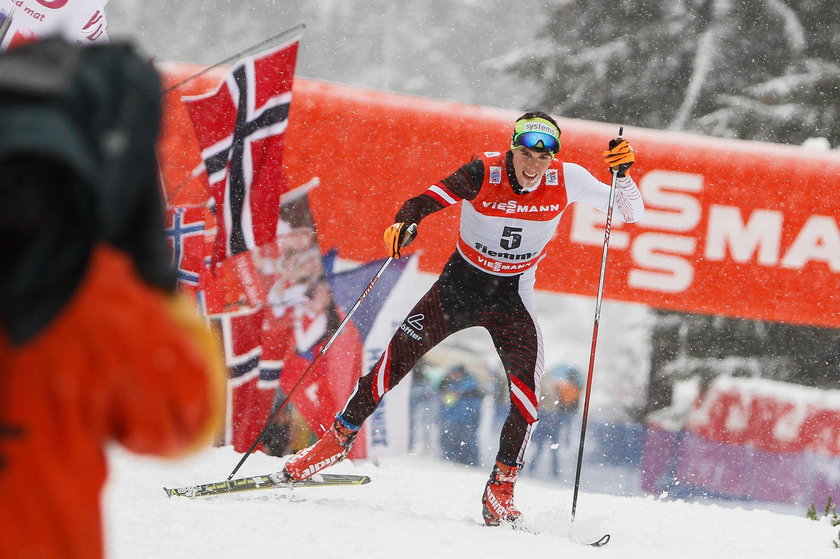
(511,205)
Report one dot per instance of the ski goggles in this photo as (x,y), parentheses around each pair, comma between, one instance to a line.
(537,134)
(539,141)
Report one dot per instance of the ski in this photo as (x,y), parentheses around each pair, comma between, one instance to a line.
(519,526)
(605,539)
(268,481)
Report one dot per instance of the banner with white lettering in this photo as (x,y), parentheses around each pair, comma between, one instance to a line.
(734,228)
(730,237)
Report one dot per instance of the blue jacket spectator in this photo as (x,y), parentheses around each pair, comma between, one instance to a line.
(460,414)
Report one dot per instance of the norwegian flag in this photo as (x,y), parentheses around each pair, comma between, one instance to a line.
(240,128)
(248,406)
(185,235)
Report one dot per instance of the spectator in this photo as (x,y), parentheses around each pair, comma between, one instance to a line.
(501,400)
(460,415)
(95,345)
(422,406)
(278,438)
(560,390)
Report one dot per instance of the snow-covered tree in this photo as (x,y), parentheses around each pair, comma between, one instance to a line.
(750,69)
(423,47)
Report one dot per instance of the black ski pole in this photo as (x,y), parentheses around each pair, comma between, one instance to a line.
(312,365)
(255,48)
(598,300)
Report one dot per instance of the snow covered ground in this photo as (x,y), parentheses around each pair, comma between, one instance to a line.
(419,507)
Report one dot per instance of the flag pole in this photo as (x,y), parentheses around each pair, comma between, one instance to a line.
(250,50)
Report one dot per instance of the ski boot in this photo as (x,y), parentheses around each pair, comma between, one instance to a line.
(497,502)
(331,448)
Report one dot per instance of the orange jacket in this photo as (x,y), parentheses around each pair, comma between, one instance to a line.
(122,362)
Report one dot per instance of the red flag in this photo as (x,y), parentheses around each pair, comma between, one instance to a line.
(248,406)
(326,388)
(240,128)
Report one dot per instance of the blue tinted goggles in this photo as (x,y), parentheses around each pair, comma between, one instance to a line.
(537,141)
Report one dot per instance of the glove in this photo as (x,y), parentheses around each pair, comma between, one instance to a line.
(620,156)
(397,236)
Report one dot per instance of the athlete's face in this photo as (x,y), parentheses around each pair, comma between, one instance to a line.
(529,166)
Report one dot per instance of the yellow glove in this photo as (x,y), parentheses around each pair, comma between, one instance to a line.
(397,236)
(620,156)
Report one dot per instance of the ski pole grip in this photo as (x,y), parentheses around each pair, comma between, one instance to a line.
(618,140)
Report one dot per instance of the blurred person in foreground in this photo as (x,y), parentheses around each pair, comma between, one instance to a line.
(512,202)
(95,345)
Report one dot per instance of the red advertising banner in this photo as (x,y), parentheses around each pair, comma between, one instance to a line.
(768,415)
(736,228)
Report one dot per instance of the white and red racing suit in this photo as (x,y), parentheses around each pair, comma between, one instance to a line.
(489,279)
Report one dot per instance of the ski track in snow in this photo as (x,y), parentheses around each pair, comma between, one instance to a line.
(420,507)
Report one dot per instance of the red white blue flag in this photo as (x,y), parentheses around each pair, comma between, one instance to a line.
(185,235)
(241,128)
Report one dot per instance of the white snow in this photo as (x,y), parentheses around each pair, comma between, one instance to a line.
(419,507)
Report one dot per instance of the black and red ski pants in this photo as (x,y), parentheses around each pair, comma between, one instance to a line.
(463,297)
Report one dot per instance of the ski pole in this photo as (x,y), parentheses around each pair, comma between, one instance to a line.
(240,54)
(312,365)
(598,299)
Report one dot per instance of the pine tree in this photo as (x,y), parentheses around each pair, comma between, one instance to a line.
(753,69)
(829,513)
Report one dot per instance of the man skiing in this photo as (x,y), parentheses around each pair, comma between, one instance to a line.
(512,204)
